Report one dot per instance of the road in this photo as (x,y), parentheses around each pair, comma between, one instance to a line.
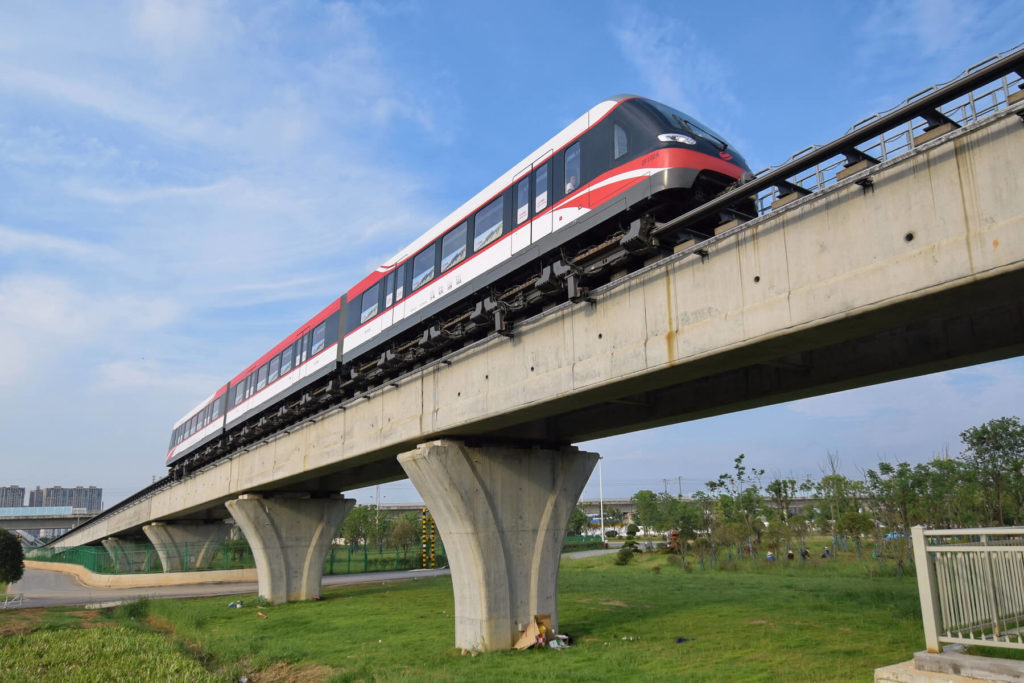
(42,588)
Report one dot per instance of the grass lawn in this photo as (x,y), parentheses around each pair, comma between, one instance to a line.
(819,621)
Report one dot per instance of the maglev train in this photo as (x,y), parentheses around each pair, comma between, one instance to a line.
(626,157)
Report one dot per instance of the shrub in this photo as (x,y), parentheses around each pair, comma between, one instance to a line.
(611,533)
(632,530)
(624,556)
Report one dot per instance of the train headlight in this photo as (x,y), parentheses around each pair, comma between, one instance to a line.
(677,137)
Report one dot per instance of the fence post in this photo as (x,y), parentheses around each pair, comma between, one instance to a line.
(928,590)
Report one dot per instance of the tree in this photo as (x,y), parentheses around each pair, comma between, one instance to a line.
(578,521)
(405,532)
(12,558)
(739,495)
(359,525)
(995,452)
(855,524)
(646,514)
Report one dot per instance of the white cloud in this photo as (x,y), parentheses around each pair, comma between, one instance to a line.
(19,241)
(678,67)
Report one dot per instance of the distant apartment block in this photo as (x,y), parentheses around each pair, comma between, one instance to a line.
(88,498)
(12,496)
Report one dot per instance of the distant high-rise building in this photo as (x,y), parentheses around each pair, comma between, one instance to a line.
(89,498)
(12,496)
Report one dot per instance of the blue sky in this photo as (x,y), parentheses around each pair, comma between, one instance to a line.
(184,183)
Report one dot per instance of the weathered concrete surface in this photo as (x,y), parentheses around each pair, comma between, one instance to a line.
(183,545)
(502,512)
(289,537)
(952,667)
(923,271)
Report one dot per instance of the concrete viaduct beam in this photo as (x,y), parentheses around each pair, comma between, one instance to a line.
(502,512)
(289,536)
(183,546)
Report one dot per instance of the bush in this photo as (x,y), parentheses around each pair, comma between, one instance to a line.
(624,556)
(632,530)
(611,533)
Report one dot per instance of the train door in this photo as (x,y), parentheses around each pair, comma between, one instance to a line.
(521,200)
(540,180)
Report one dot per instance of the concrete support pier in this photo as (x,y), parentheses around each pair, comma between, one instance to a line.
(502,512)
(186,545)
(289,536)
(126,560)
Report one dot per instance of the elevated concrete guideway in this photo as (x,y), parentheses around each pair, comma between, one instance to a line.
(905,267)
(922,271)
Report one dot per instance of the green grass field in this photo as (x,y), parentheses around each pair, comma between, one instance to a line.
(820,621)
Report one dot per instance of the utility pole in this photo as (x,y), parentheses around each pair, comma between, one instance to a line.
(665,482)
(600,488)
(680,480)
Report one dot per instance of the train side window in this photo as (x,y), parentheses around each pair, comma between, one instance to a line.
(522,200)
(541,185)
(621,142)
(400,283)
(217,407)
(286,360)
(572,168)
(239,392)
(261,378)
(489,224)
(453,247)
(423,268)
(274,368)
(389,288)
(369,303)
(304,347)
(319,336)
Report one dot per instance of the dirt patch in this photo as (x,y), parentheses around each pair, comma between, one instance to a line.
(584,600)
(614,603)
(759,622)
(20,622)
(293,673)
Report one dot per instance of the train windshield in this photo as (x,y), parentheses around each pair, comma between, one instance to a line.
(689,124)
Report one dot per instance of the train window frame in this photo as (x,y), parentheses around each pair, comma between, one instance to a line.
(421,278)
(496,230)
(522,200)
(400,281)
(573,155)
(217,406)
(541,200)
(319,344)
(286,360)
(369,303)
(261,377)
(273,369)
(389,290)
(619,137)
(451,242)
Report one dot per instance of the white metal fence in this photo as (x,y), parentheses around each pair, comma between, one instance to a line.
(971,583)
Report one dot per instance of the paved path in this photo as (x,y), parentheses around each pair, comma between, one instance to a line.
(42,588)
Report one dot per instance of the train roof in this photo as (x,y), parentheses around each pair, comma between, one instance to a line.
(590,118)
